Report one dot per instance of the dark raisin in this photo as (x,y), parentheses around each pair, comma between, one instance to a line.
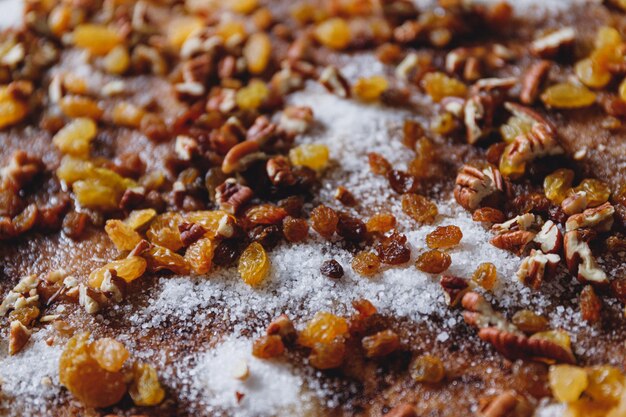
(351,228)
(266,235)
(332,269)
(402,182)
(295,230)
(292,205)
(226,253)
(74,224)
(393,249)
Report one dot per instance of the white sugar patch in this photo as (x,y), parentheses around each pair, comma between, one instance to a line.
(11,13)
(272,387)
(549,410)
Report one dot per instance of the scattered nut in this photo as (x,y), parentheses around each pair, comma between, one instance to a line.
(599,218)
(549,45)
(580,260)
(536,267)
(474,184)
(18,337)
(549,238)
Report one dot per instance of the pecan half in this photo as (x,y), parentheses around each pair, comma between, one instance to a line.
(454,288)
(549,238)
(529,115)
(190,232)
(261,130)
(537,143)
(599,218)
(580,260)
(18,337)
(532,80)
(478,116)
(296,120)
(590,305)
(536,267)
(574,203)
(514,241)
(279,171)
(491,84)
(549,45)
(232,196)
(474,184)
(334,82)
(241,155)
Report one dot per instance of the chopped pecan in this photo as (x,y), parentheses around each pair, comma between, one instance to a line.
(334,82)
(190,232)
(599,218)
(18,337)
(522,222)
(232,196)
(345,196)
(454,288)
(283,326)
(529,115)
(241,155)
(279,171)
(505,404)
(580,260)
(20,171)
(491,84)
(549,45)
(402,410)
(474,184)
(186,147)
(91,299)
(112,286)
(296,119)
(536,267)
(478,116)
(574,203)
(532,80)
(549,238)
(539,142)
(514,241)
(590,305)
(261,130)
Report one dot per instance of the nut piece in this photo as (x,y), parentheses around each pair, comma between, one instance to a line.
(334,82)
(231,195)
(599,218)
(514,241)
(575,203)
(549,238)
(503,405)
(279,171)
(532,80)
(474,184)
(240,156)
(18,337)
(296,120)
(478,117)
(241,371)
(402,410)
(522,222)
(186,147)
(539,142)
(536,267)
(454,288)
(580,260)
(549,45)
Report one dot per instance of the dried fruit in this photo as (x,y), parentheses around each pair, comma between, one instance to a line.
(109,353)
(145,390)
(332,269)
(568,96)
(137,219)
(381,223)
(97,39)
(591,73)
(216,223)
(311,155)
(323,328)
(438,86)
(597,192)
(254,264)
(328,355)
(80,106)
(381,344)
(80,373)
(351,228)
(419,208)
(433,262)
(485,275)
(117,60)
(129,269)
(515,127)
(488,215)
(378,164)
(12,111)
(163,231)
(443,123)
(295,230)
(252,96)
(199,255)
(160,258)
(370,89)
(444,237)
(324,221)
(268,346)
(75,137)
(427,368)
(333,33)
(402,182)
(366,264)
(557,184)
(123,236)
(127,114)
(567,382)
(529,322)
(606,384)
(393,249)
(257,52)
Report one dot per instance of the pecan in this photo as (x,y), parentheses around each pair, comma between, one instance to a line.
(474,184)
(536,267)
(296,119)
(472,69)
(480,314)
(222,100)
(454,288)
(574,203)
(456,59)
(532,80)
(407,32)
(261,130)
(132,198)
(232,196)
(140,248)
(402,410)
(599,218)
(580,260)
(514,241)
(286,81)
(491,84)
(190,232)
(539,142)
(478,116)
(549,238)
(590,305)
(503,405)
(186,147)
(279,171)
(20,171)
(549,45)
(283,326)
(90,298)
(529,115)
(240,156)
(18,337)
(112,286)
(335,82)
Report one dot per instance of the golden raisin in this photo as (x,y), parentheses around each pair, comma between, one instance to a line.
(127,114)
(129,269)
(324,327)
(393,249)
(123,236)
(210,220)
(515,127)
(243,6)
(591,73)
(137,219)
(75,137)
(160,258)
(419,208)
(180,28)
(567,382)
(117,60)
(438,86)
(231,30)
(333,33)
(97,39)
(381,344)
(109,353)
(529,322)
(443,123)
(427,368)
(12,111)
(257,52)
(268,346)
(80,106)
(252,96)
(265,214)
(444,237)
(485,275)
(254,264)
(83,376)
(295,230)
(557,184)
(378,164)
(606,384)
(25,315)
(328,355)
(598,192)
(145,390)
(312,155)
(568,96)
(324,221)
(370,89)
(366,263)
(199,255)
(381,223)
(488,215)
(164,231)
(433,262)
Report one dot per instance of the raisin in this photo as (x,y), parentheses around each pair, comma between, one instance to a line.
(393,249)
(295,230)
(351,228)
(567,382)
(378,164)
(123,236)
(199,255)
(381,223)
(25,315)
(433,262)
(252,96)
(388,53)
(333,33)
(427,368)
(381,344)
(345,196)
(129,269)
(98,39)
(311,155)
(420,165)
(265,214)
(267,236)
(444,237)
(292,205)
(324,221)
(160,258)
(328,355)
(529,322)
(366,264)
(226,253)
(254,264)
(145,390)
(322,328)
(488,215)
(438,86)
(568,96)
(411,132)
(597,191)
(74,224)
(485,275)
(332,269)
(75,137)
(268,346)
(164,231)
(402,182)
(257,52)
(419,208)
(364,307)
(109,353)
(370,89)
(590,305)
